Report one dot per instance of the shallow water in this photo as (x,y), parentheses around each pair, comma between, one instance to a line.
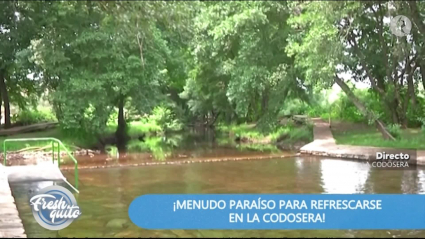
(105,194)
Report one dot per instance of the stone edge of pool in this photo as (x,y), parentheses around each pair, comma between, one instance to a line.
(180,162)
(10,223)
(324,144)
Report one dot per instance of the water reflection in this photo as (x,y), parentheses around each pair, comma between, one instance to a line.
(159,146)
(421,181)
(31,188)
(343,177)
(105,194)
(409,182)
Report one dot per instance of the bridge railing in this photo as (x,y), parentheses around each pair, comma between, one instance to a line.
(54,141)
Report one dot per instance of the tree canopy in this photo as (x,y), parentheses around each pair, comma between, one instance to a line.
(209,61)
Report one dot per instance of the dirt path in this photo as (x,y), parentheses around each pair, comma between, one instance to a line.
(324,145)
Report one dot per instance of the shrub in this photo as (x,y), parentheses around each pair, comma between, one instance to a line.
(422,121)
(165,119)
(144,126)
(293,107)
(27,117)
(301,134)
(158,146)
(395,130)
(112,151)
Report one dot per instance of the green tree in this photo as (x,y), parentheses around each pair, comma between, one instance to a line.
(352,37)
(240,67)
(19,24)
(113,54)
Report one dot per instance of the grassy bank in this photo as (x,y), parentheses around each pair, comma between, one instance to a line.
(157,142)
(364,135)
(76,140)
(71,142)
(284,134)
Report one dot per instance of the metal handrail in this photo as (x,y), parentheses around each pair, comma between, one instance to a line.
(60,145)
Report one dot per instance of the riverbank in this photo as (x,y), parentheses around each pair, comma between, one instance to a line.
(287,136)
(363,134)
(324,144)
(244,137)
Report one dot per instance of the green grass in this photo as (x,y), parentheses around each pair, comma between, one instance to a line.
(290,132)
(79,139)
(409,138)
(242,130)
(137,128)
(304,133)
(69,141)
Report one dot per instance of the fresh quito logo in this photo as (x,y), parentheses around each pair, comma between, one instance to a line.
(54,208)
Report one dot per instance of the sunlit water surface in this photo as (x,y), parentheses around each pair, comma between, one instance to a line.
(105,194)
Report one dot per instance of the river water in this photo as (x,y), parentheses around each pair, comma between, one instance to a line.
(105,194)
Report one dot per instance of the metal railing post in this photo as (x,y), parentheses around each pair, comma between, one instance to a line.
(53,152)
(59,155)
(4,152)
(76,175)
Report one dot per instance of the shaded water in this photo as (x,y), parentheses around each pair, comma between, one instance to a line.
(191,146)
(106,193)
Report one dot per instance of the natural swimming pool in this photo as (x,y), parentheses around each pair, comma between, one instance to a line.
(105,194)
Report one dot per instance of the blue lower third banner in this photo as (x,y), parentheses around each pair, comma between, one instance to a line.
(247,211)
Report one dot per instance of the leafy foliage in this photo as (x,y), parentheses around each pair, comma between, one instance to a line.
(239,67)
(27,117)
(395,130)
(165,119)
(165,64)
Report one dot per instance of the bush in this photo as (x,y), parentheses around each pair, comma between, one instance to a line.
(165,119)
(158,146)
(293,107)
(293,134)
(242,130)
(27,117)
(395,130)
(422,122)
(143,127)
(112,151)
(304,133)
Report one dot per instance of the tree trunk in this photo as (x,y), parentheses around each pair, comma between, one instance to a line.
(423,74)
(410,85)
(264,102)
(404,121)
(370,116)
(121,133)
(215,117)
(1,102)
(398,103)
(5,98)
(393,110)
